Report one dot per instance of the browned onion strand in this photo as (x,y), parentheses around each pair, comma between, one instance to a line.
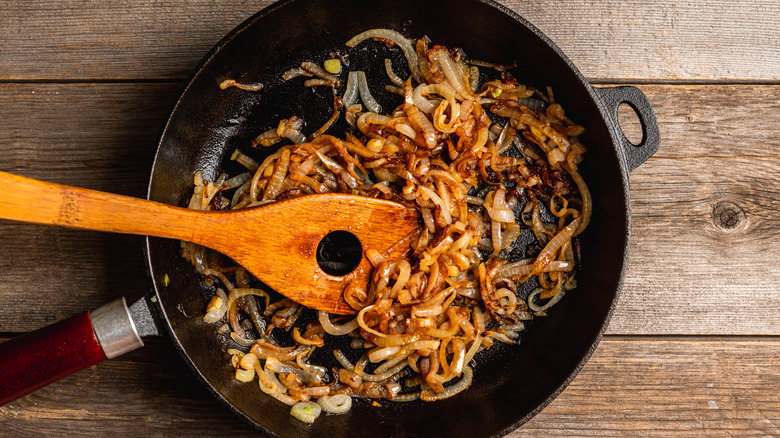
(479,185)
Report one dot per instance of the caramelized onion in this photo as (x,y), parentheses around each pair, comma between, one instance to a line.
(425,314)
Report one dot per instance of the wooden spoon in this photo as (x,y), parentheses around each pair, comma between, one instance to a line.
(277,242)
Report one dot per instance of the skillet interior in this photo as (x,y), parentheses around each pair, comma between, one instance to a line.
(207,124)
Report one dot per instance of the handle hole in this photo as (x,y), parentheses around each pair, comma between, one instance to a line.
(630,124)
(339,253)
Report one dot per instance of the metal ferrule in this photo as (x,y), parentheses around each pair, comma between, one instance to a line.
(115,329)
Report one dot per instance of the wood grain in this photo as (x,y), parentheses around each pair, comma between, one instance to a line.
(630,40)
(691,273)
(631,387)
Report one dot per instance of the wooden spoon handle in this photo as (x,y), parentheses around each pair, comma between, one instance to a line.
(33,201)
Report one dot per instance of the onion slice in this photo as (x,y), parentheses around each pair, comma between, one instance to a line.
(398,39)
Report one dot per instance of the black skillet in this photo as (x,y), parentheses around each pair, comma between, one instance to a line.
(511,383)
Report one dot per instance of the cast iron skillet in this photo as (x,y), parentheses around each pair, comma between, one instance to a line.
(510,384)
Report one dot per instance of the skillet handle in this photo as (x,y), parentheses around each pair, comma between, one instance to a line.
(612,98)
(35,359)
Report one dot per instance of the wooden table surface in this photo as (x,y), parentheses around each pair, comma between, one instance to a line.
(694,346)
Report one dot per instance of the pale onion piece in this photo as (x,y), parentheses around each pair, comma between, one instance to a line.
(363,324)
(406,130)
(236,181)
(445,211)
(294,135)
(536,292)
(399,40)
(365,93)
(270,385)
(473,78)
(379,354)
(296,334)
(238,292)
(521,268)
(549,250)
(398,366)
(335,404)
(309,368)
(534,104)
(587,201)
(217,307)
(391,363)
(556,156)
(397,81)
(452,72)
(424,344)
(224,329)
(495,236)
(501,337)
(277,177)
(351,93)
(370,118)
(404,272)
(294,73)
(504,215)
(464,382)
(427,216)
(245,375)
(274,365)
(247,87)
(405,398)
(306,411)
(474,200)
(249,361)
(335,330)
(425,105)
(374,256)
(475,346)
(316,391)
(396,340)
(375,144)
(342,360)
(267,138)
(244,342)
(459,356)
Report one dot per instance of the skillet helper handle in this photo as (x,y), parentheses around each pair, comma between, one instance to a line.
(35,359)
(633,155)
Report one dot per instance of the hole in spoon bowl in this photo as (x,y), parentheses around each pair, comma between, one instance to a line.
(339,253)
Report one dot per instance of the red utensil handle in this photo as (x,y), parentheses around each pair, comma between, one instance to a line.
(38,358)
(35,359)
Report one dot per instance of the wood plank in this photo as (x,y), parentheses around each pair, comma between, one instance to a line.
(669,387)
(704,248)
(630,387)
(101,40)
(639,40)
(102,136)
(663,40)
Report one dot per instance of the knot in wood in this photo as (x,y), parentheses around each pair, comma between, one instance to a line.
(727,215)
